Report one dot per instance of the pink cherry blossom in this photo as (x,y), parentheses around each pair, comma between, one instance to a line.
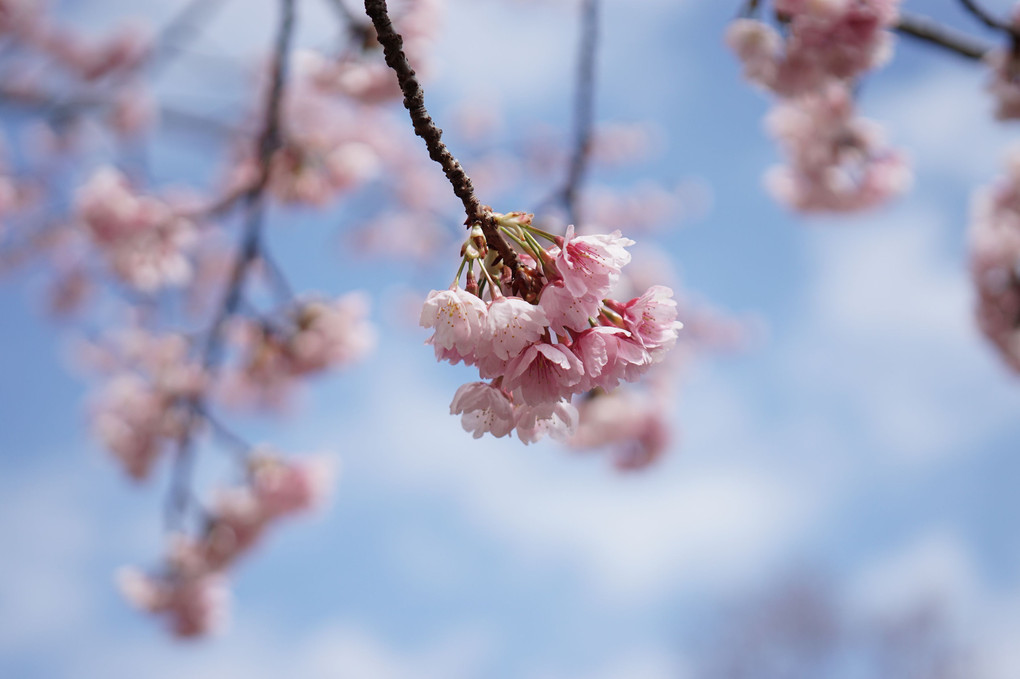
(652,320)
(132,420)
(194,606)
(590,265)
(633,426)
(483,408)
(610,355)
(566,311)
(459,319)
(331,333)
(533,422)
(144,240)
(544,373)
(825,41)
(836,161)
(513,324)
(286,487)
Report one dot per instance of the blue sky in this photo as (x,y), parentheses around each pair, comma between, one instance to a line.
(869,434)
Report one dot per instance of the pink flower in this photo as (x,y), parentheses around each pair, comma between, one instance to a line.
(825,41)
(590,265)
(610,355)
(331,333)
(195,606)
(484,408)
(564,310)
(144,240)
(557,419)
(633,427)
(513,324)
(544,373)
(459,319)
(286,487)
(652,320)
(836,161)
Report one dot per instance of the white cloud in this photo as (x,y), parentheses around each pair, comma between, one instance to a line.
(890,332)
(934,568)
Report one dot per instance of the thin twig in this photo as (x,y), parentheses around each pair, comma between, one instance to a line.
(932,33)
(584,107)
(424,127)
(748,9)
(354,24)
(181,28)
(984,17)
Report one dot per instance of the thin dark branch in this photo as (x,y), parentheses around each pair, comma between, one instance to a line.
(584,107)
(414,102)
(180,494)
(277,278)
(933,33)
(180,29)
(228,436)
(984,17)
(248,252)
(748,9)
(268,142)
(358,28)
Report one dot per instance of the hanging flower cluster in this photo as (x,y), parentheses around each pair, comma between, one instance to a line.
(825,40)
(310,337)
(559,336)
(142,407)
(144,239)
(191,590)
(837,161)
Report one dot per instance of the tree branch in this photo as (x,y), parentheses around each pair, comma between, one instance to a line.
(248,252)
(987,19)
(932,33)
(584,107)
(424,127)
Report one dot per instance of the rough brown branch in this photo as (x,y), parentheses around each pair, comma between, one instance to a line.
(932,33)
(424,127)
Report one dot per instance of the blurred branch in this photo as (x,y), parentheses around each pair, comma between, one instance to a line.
(424,127)
(181,29)
(248,252)
(929,31)
(987,19)
(356,25)
(748,9)
(584,107)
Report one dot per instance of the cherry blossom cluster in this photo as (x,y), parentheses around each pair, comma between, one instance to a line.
(190,592)
(144,239)
(836,162)
(108,66)
(308,338)
(537,347)
(822,41)
(995,261)
(142,407)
